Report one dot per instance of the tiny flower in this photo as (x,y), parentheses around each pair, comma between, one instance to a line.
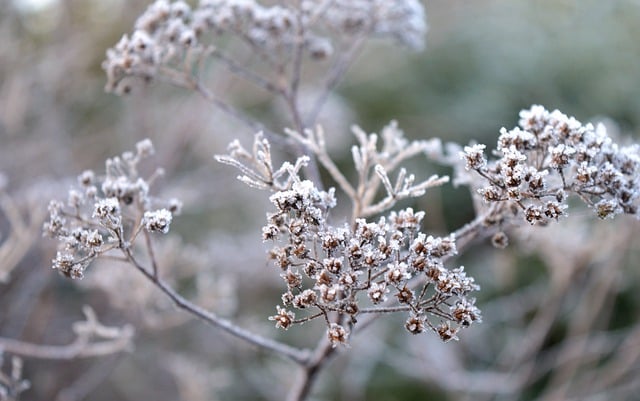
(465,312)
(106,208)
(270,232)
(415,324)
(454,282)
(305,299)
(337,335)
(292,279)
(560,155)
(283,318)
(108,212)
(348,279)
(76,198)
(441,246)
(311,269)
(333,265)
(586,173)
(606,208)
(377,292)
(65,264)
(405,295)
(175,206)
(93,239)
(157,220)
(329,294)
(474,157)
(534,214)
(406,219)
(86,178)
(500,240)
(397,272)
(491,193)
(446,332)
(554,210)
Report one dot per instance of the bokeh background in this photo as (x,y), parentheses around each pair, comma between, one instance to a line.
(561,305)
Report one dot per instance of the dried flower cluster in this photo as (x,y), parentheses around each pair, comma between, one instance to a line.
(173,35)
(359,269)
(339,272)
(105,213)
(550,156)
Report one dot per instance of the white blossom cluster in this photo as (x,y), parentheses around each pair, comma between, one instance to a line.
(105,213)
(370,267)
(172,33)
(550,156)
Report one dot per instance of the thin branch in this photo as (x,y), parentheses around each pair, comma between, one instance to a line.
(243,72)
(334,77)
(315,143)
(299,356)
(309,374)
(116,339)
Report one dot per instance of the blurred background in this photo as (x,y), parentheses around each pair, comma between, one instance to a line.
(561,305)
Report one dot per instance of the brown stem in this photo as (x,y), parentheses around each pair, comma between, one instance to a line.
(310,371)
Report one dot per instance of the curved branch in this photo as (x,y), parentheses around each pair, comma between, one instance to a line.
(299,356)
(115,340)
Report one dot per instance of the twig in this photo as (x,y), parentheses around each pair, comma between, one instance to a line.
(117,340)
(299,356)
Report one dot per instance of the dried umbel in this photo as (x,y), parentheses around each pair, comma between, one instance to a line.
(170,37)
(340,272)
(107,212)
(370,267)
(550,156)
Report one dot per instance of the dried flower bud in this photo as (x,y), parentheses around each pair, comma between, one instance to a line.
(377,292)
(415,324)
(474,157)
(337,334)
(157,220)
(500,240)
(283,318)
(446,332)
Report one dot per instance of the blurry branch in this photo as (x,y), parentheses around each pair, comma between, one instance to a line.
(623,364)
(595,295)
(310,371)
(21,235)
(89,380)
(334,77)
(11,385)
(111,340)
(297,355)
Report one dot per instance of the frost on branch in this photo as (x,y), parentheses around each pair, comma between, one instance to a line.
(550,156)
(106,212)
(257,166)
(374,164)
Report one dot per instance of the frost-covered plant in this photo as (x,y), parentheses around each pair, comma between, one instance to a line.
(354,268)
(374,260)
(170,36)
(547,158)
(107,213)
